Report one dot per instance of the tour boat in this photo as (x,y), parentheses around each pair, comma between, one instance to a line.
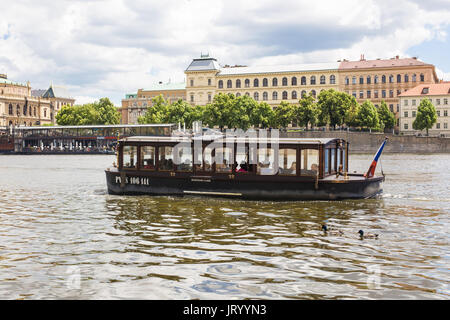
(240,167)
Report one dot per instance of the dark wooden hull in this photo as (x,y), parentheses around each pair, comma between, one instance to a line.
(242,187)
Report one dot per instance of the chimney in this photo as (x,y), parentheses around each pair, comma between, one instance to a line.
(362,57)
(396,57)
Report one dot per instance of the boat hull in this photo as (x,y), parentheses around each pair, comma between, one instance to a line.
(132,183)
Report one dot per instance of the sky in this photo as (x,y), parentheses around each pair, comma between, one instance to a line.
(107,48)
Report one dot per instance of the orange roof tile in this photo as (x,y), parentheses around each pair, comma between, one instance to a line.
(435,89)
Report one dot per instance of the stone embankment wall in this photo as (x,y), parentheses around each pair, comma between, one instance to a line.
(364,142)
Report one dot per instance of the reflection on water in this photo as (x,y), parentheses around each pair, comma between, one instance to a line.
(63,236)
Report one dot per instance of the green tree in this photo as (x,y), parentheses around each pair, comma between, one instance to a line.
(387,118)
(262,116)
(368,116)
(426,116)
(156,113)
(217,112)
(306,112)
(283,114)
(333,107)
(105,112)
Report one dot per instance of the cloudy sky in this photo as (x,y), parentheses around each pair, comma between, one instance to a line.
(106,48)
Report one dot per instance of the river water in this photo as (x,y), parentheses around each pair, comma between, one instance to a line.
(63,237)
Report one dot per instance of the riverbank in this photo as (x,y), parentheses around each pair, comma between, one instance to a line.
(365,142)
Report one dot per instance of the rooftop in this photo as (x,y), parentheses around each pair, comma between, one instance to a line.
(381,63)
(436,89)
(57,92)
(204,63)
(279,68)
(166,86)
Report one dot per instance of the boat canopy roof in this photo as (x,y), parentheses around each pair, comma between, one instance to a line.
(229,139)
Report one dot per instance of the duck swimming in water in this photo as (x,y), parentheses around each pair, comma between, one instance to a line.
(363,235)
(331,232)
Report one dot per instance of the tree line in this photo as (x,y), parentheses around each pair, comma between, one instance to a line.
(332,108)
(98,113)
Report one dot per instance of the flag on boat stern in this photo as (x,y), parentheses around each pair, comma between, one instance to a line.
(370,173)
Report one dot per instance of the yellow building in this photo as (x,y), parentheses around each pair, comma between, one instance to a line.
(271,84)
(18,107)
(439,96)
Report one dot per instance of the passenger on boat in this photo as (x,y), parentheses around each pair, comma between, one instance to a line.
(243,167)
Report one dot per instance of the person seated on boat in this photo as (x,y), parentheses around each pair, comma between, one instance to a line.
(315,168)
(207,165)
(243,167)
(293,168)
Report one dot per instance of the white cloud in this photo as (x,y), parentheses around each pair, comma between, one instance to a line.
(112,47)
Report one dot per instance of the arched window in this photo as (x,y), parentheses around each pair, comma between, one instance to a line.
(238,94)
(391,79)
(294,95)
(414,78)
(383,79)
(256,83)
(265,96)
(45,112)
(333,79)
(313,80)
(247,94)
(285,95)
(256,96)
(274,82)
(30,111)
(353,80)
(375,79)
(34,111)
(322,79)
(275,95)
(368,80)
(18,110)
(247,83)
(303,94)
(284,81)
(294,81)
(399,78)
(303,81)
(361,80)
(220,84)
(11,109)
(25,110)
(406,78)
(238,83)
(422,77)
(265,82)
(313,93)
(229,84)
(347,81)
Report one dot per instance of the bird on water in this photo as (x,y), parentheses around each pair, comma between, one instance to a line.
(364,235)
(331,232)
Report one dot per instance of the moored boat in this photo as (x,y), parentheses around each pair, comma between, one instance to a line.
(240,167)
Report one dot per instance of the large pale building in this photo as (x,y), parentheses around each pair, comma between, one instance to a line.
(439,96)
(19,107)
(375,80)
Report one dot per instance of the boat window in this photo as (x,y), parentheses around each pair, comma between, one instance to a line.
(183,158)
(242,162)
(309,162)
(338,158)
(287,162)
(224,159)
(129,156)
(165,158)
(333,156)
(266,161)
(327,161)
(147,158)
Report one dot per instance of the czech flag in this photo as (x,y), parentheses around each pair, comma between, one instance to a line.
(370,173)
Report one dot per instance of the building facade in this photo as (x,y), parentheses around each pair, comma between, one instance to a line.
(439,96)
(271,84)
(384,79)
(374,80)
(134,105)
(19,107)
